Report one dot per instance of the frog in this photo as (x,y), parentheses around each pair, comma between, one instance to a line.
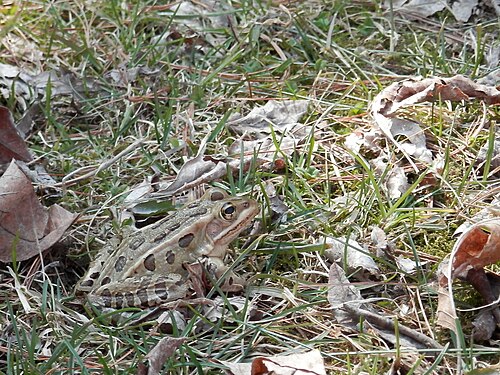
(150,266)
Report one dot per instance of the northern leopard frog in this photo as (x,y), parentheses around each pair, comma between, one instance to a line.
(149,266)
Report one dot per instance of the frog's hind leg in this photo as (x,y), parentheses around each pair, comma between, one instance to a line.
(146,291)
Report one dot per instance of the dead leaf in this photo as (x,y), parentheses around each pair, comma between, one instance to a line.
(163,350)
(123,75)
(13,81)
(198,24)
(412,91)
(341,293)
(395,183)
(484,326)
(218,309)
(349,307)
(423,8)
(379,239)
(280,116)
(461,9)
(360,264)
(446,311)
(477,247)
(27,86)
(366,139)
(310,363)
(25,225)
(275,205)
(264,149)
(12,146)
(196,171)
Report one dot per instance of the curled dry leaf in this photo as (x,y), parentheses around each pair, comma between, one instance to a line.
(413,91)
(27,86)
(278,116)
(422,8)
(281,117)
(310,363)
(12,146)
(165,349)
(199,170)
(199,24)
(25,225)
(358,260)
(349,307)
(476,248)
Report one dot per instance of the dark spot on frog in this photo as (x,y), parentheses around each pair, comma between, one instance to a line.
(161,290)
(170,257)
(87,283)
(135,243)
(201,211)
(174,227)
(94,275)
(158,224)
(129,297)
(142,294)
(118,300)
(105,280)
(217,196)
(149,262)
(186,240)
(120,263)
(159,237)
(106,296)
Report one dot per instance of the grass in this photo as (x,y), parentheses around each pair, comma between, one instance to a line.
(338,56)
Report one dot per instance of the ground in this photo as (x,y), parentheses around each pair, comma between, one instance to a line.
(140,87)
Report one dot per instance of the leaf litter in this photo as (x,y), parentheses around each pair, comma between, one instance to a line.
(477,247)
(462,10)
(12,145)
(256,146)
(26,227)
(308,363)
(414,148)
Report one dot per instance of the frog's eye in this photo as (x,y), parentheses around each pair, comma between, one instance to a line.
(228,210)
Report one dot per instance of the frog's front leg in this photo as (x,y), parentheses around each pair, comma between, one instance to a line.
(231,282)
(144,291)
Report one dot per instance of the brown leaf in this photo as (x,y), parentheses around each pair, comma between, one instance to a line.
(412,91)
(12,146)
(165,348)
(446,311)
(476,248)
(196,171)
(309,363)
(25,225)
(279,116)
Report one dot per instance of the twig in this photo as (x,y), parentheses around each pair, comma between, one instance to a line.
(66,181)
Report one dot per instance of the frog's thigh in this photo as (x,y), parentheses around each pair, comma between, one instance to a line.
(145,291)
